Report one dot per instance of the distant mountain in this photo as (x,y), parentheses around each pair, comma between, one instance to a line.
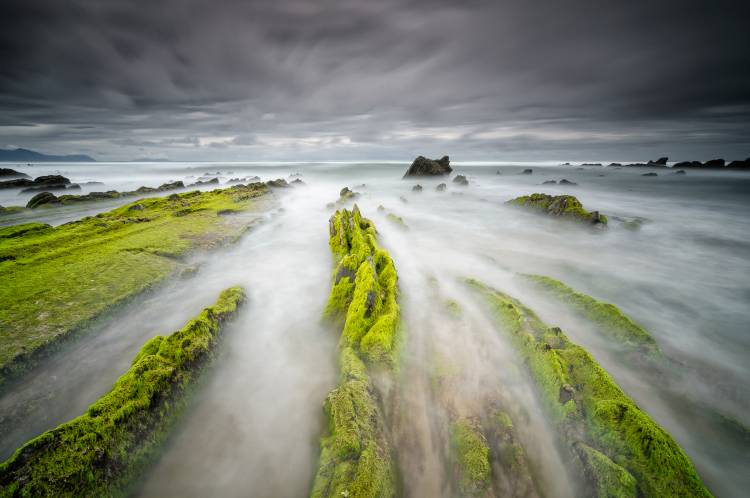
(30,156)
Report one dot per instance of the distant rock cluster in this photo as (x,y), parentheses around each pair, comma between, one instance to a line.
(713,164)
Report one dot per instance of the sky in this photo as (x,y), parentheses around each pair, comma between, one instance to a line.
(376,79)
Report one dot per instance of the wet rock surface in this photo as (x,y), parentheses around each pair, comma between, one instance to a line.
(429,167)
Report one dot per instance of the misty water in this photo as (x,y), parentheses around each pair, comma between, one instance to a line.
(253,425)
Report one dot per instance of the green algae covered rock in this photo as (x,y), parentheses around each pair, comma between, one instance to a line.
(566,206)
(613,441)
(356,458)
(364,288)
(470,454)
(606,316)
(57,280)
(101,452)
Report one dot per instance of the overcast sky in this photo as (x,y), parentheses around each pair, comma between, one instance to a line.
(376,79)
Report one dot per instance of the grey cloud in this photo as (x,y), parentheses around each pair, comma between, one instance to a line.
(333,79)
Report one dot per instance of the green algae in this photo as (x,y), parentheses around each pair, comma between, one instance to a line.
(11,210)
(101,452)
(58,280)
(397,220)
(453,308)
(591,411)
(566,206)
(470,454)
(513,477)
(356,458)
(606,316)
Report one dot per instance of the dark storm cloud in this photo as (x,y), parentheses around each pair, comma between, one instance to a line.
(342,79)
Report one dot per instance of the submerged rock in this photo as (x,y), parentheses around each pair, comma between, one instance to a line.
(278,183)
(429,167)
(679,172)
(48,182)
(41,199)
(649,174)
(11,173)
(714,163)
(566,206)
(567,182)
(441,187)
(461,180)
(416,188)
(297,181)
(214,181)
(549,182)
(527,171)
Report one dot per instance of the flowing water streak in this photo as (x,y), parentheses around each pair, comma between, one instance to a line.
(682,276)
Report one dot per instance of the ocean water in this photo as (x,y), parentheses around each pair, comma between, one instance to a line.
(256,419)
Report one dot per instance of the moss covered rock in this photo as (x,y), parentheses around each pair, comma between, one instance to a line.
(103,450)
(566,206)
(470,456)
(606,316)
(591,412)
(356,457)
(56,280)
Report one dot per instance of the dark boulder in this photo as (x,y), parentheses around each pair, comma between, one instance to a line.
(429,167)
(649,174)
(51,180)
(41,199)
(567,182)
(662,161)
(714,163)
(615,164)
(175,185)
(278,183)
(441,187)
(739,164)
(416,188)
(297,181)
(11,173)
(550,182)
(18,183)
(688,164)
(461,180)
(527,171)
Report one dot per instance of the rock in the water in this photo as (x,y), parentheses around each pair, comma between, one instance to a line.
(739,164)
(213,181)
(48,182)
(566,206)
(41,199)
(11,173)
(441,187)
(714,163)
(297,181)
(527,171)
(550,182)
(174,185)
(679,172)
(278,183)
(429,167)
(17,183)
(662,161)
(461,180)
(649,174)
(416,188)
(567,182)
(688,164)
